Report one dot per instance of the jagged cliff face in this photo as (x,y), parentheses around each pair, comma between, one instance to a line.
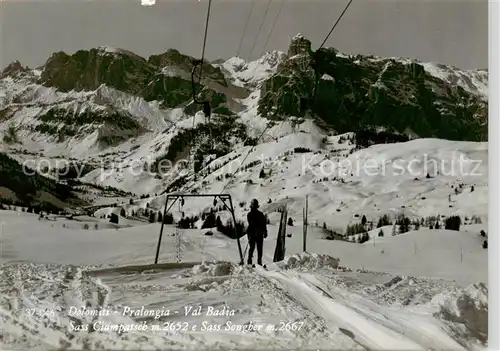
(357,92)
(111,93)
(299,46)
(165,78)
(122,70)
(13,69)
(112,96)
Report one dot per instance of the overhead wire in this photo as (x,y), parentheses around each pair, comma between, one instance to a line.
(260,28)
(330,32)
(205,35)
(336,23)
(231,178)
(206,109)
(245,29)
(316,80)
(272,28)
(323,43)
(251,51)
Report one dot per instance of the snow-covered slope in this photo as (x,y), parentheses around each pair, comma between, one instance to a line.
(419,289)
(312,300)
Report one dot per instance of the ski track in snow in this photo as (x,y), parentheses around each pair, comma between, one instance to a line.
(368,326)
(331,314)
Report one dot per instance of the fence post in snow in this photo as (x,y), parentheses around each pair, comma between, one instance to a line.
(304,214)
(279,251)
(178,244)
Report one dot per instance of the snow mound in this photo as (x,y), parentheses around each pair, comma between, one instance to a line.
(217,269)
(307,261)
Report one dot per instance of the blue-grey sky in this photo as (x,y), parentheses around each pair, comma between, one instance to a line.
(450,32)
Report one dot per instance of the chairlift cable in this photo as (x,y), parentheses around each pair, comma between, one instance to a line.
(272,28)
(316,80)
(332,29)
(336,23)
(260,28)
(207,111)
(245,29)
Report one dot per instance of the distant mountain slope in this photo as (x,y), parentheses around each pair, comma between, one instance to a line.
(124,96)
(356,92)
(20,184)
(118,112)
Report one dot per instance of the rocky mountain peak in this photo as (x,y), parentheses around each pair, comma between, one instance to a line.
(12,68)
(299,46)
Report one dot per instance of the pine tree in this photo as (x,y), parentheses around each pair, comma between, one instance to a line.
(381,233)
(453,223)
(114,218)
(168,219)
(152,217)
(363,220)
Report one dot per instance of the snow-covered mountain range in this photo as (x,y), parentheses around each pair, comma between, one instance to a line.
(110,107)
(391,154)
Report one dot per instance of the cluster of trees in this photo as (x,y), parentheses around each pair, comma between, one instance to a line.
(7,204)
(210,220)
(229,230)
(301,149)
(367,137)
(403,223)
(384,221)
(452,223)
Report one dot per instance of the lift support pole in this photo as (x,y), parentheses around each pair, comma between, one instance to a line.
(222,197)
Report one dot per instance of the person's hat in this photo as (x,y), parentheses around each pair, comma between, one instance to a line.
(254,203)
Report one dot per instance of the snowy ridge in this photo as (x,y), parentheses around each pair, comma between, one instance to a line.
(41,99)
(295,175)
(250,74)
(473,81)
